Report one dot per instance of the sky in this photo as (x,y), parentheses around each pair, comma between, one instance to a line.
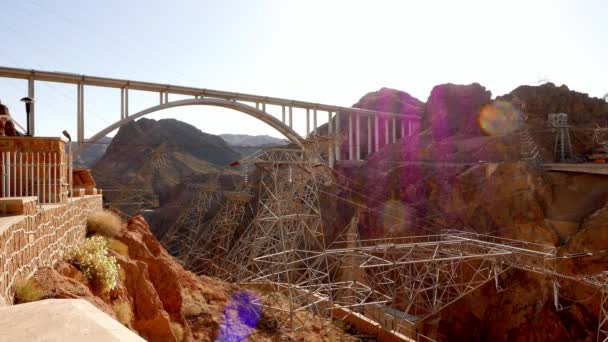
(331,52)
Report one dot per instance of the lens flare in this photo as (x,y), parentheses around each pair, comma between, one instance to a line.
(499,118)
(241,314)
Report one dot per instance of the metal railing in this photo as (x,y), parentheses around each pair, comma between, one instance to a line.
(46,175)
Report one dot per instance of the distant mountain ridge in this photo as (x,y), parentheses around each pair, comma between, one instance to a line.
(248,144)
(91,153)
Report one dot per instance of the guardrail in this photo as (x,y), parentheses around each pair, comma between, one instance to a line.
(46,175)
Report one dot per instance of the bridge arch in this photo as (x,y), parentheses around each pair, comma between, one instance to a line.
(241,107)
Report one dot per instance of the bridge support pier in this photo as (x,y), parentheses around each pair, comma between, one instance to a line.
(30,94)
(80,114)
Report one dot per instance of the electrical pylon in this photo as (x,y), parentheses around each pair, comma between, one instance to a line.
(283,246)
(181,239)
(209,252)
(130,199)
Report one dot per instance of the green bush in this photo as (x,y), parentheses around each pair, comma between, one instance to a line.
(91,258)
(27,291)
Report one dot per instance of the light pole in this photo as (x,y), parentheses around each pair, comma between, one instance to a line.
(70,162)
(28,107)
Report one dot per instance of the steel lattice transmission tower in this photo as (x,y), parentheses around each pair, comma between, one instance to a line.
(129,199)
(562,150)
(182,237)
(209,251)
(284,246)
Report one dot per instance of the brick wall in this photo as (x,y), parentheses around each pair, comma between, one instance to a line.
(40,238)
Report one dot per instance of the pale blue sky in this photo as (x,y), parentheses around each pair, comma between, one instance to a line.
(323,51)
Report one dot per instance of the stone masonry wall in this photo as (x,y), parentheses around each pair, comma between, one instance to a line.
(40,238)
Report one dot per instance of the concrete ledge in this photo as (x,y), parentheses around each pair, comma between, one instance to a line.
(61,320)
(78,192)
(18,205)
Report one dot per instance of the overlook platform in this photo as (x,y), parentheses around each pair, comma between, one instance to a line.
(61,320)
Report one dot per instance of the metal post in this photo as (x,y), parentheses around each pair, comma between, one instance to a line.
(27,178)
(160,95)
(330,155)
(30,94)
(167,96)
(8,174)
(20,174)
(338,145)
(386,131)
(43,177)
(263,107)
(394,130)
(3,177)
(556,296)
(369,135)
(402,128)
(38,176)
(283,114)
(48,182)
(410,128)
(71,174)
(15,173)
(376,134)
(350,137)
(358,136)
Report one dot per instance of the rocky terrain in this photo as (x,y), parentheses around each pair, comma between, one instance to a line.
(440,179)
(161,301)
(509,199)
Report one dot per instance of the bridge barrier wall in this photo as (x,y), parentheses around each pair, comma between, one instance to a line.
(40,237)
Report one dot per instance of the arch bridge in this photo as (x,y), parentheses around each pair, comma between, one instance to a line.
(382,127)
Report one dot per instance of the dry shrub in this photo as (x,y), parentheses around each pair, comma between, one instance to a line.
(178,331)
(118,247)
(104,222)
(123,312)
(26,290)
(92,260)
(191,306)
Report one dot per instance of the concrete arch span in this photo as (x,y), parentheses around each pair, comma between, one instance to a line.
(243,108)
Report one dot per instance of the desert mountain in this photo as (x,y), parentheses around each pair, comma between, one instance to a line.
(90,154)
(248,144)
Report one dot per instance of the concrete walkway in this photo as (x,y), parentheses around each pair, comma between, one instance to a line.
(55,320)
